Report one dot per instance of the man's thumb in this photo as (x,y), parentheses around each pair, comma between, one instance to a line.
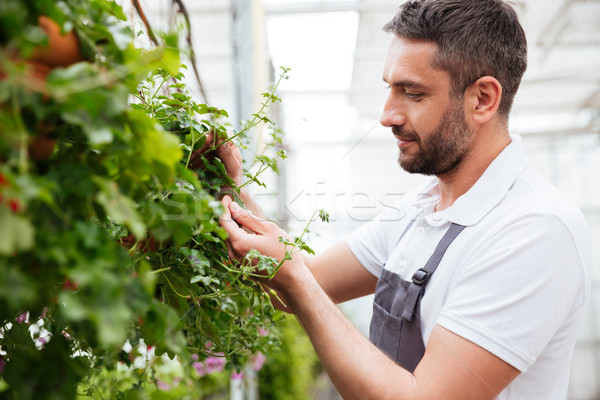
(244,217)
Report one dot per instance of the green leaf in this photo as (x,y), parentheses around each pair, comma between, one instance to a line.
(153,143)
(74,309)
(307,248)
(174,103)
(147,277)
(161,329)
(162,57)
(119,208)
(112,324)
(17,290)
(206,280)
(198,260)
(120,33)
(324,215)
(115,9)
(16,232)
(179,96)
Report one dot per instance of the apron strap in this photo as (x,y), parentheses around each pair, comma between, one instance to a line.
(410,224)
(422,275)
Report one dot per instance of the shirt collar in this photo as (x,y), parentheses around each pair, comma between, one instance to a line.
(483,196)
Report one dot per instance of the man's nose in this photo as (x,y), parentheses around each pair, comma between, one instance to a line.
(392,114)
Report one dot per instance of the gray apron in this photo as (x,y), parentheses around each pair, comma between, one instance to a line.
(395,325)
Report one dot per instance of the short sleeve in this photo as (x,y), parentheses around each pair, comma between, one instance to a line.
(517,289)
(373,242)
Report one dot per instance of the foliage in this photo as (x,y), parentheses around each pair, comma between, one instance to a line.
(113,239)
(290,373)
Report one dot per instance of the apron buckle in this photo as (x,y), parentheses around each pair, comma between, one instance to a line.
(421,276)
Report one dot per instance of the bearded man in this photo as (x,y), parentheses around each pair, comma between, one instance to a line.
(480,277)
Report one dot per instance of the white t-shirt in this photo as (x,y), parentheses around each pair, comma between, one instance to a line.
(515,281)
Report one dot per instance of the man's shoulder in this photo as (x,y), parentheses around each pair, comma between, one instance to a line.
(531,193)
(534,200)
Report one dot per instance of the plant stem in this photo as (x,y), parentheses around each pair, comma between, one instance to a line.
(256,117)
(264,166)
(177,293)
(161,270)
(296,242)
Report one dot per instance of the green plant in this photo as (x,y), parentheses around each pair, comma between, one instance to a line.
(112,239)
(290,372)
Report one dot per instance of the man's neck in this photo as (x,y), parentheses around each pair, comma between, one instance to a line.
(458,181)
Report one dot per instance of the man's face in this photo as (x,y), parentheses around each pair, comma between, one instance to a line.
(427,122)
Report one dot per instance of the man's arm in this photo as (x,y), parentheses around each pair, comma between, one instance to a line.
(340,274)
(452,367)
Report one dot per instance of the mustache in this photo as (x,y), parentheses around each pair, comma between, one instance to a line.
(400,132)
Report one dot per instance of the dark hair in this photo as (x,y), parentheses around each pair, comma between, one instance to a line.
(474,38)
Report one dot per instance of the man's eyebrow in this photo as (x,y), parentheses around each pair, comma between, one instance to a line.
(406,84)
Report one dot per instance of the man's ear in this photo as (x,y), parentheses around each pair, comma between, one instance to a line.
(482,99)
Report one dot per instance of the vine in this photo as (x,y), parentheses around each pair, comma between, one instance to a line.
(114,274)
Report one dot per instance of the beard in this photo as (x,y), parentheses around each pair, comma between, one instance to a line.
(443,150)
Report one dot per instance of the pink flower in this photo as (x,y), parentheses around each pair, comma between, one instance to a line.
(237,376)
(21,318)
(195,357)
(162,385)
(262,331)
(215,364)
(258,361)
(200,369)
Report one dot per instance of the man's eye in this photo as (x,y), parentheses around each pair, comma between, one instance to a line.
(414,96)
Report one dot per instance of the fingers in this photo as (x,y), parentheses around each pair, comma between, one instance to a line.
(234,231)
(230,155)
(232,159)
(248,220)
(229,152)
(195,158)
(235,220)
(226,221)
(236,235)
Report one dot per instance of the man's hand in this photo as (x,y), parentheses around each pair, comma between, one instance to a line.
(264,237)
(230,155)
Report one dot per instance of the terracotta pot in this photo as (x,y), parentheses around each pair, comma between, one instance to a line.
(145,245)
(62,50)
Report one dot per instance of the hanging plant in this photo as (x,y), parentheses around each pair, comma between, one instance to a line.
(114,274)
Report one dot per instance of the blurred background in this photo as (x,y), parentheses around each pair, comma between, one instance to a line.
(341,159)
